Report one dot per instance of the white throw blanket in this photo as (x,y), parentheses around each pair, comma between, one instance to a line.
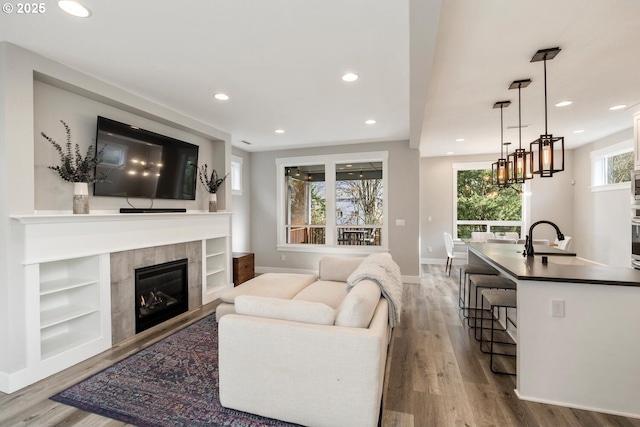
(381,269)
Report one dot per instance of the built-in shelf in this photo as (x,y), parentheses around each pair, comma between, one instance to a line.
(64,314)
(65,284)
(217,263)
(71,302)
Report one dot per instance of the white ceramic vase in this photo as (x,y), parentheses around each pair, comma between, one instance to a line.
(213,202)
(80,198)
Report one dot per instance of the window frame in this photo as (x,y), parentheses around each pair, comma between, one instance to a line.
(598,166)
(330,161)
(238,161)
(526,200)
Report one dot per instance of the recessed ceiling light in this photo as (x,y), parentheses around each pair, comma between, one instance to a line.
(459,139)
(279,131)
(350,77)
(449,153)
(74,8)
(370,122)
(564,103)
(617,107)
(578,131)
(221,96)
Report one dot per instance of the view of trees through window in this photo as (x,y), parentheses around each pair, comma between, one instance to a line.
(482,203)
(359,198)
(359,202)
(619,168)
(306,217)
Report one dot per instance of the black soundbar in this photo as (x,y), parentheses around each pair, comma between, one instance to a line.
(151,210)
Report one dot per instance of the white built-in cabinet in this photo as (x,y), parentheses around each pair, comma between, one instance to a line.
(69,312)
(215,268)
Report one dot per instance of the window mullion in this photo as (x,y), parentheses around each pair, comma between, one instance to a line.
(330,200)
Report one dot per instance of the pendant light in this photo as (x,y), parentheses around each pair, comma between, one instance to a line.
(519,159)
(509,166)
(500,169)
(544,160)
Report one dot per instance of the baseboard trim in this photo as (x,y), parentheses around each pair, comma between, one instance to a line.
(576,406)
(14,381)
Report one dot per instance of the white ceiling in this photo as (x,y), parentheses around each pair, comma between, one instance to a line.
(281,62)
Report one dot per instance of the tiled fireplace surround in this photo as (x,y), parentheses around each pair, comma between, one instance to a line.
(123,266)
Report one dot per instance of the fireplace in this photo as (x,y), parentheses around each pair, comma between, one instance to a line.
(161,292)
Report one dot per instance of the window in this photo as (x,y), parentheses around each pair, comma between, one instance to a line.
(236,175)
(332,203)
(306,204)
(611,167)
(481,206)
(359,203)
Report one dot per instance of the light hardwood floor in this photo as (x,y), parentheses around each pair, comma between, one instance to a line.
(436,374)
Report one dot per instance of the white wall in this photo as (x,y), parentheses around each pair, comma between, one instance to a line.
(403,181)
(602,219)
(52,104)
(241,220)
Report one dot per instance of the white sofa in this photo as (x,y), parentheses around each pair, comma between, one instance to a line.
(314,355)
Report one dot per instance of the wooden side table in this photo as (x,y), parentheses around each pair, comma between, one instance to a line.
(243,267)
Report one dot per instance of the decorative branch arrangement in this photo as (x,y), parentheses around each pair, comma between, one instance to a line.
(73,167)
(213,183)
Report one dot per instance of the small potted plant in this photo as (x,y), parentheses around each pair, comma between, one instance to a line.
(77,169)
(211,183)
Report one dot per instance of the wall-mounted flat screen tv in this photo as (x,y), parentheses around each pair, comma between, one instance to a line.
(144,164)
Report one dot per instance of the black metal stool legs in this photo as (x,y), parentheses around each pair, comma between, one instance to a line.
(496,300)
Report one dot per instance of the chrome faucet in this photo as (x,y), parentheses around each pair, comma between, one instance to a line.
(528,244)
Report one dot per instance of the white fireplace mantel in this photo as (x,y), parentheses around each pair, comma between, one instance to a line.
(55,237)
(66,274)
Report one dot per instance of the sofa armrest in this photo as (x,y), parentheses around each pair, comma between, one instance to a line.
(309,374)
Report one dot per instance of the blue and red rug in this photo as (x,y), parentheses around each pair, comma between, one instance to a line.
(173,382)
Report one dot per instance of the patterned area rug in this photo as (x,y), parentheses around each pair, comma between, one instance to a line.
(171,383)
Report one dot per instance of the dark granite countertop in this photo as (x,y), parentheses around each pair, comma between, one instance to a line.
(561,267)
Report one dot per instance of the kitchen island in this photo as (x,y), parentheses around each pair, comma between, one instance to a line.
(587,355)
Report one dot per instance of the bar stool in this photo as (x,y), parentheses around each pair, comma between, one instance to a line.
(498,299)
(485,282)
(466,271)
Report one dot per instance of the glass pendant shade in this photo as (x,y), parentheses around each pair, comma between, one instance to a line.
(500,169)
(547,152)
(547,155)
(520,166)
(500,173)
(520,159)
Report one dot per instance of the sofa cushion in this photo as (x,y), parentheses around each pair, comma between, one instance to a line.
(276,285)
(358,306)
(337,269)
(285,309)
(324,291)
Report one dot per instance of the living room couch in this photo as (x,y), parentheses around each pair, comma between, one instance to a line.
(315,354)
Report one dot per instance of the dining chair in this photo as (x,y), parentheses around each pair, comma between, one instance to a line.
(448,244)
(512,235)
